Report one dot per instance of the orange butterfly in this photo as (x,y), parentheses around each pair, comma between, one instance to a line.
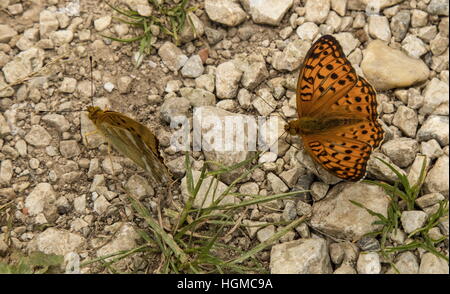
(337,112)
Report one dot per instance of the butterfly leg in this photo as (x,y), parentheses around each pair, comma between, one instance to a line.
(110,159)
(89,134)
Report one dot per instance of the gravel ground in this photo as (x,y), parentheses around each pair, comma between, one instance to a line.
(61,194)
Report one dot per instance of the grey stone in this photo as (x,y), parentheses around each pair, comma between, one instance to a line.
(432,264)
(431,149)
(252,226)
(402,151)
(435,127)
(6,33)
(69,148)
(124,238)
(292,56)
(368,263)
(227,80)
(227,12)
(193,67)
(438,7)
(206,81)
(139,187)
(303,208)
(347,41)
(68,85)
(57,241)
(172,56)
(264,103)
(439,44)
(6,172)
(198,97)
(405,263)
(437,179)
(41,200)
(48,23)
(416,167)
(102,23)
(319,190)
(193,29)
(304,256)
(307,31)
(413,220)
(336,253)
(277,185)
(379,27)
(338,217)
(406,120)
(57,121)
(124,84)
(101,205)
(267,12)
(61,37)
(265,233)
(400,24)
(414,46)
(254,75)
(435,94)
(213,36)
(174,106)
(23,64)
(317,11)
(38,136)
(345,269)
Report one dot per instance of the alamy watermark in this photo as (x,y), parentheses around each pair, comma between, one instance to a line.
(210,131)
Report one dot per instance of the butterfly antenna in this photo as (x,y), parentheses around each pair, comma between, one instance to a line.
(274,108)
(92,81)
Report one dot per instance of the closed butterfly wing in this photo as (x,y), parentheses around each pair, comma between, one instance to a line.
(132,140)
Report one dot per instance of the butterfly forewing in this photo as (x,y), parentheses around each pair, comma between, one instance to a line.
(134,141)
(325,76)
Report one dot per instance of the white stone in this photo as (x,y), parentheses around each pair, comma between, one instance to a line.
(317,10)
(307,31)
(268,11)
(304,256)
(227,80)
(102,23)
(193,67)
(227,12)
(379,27)
(368,263)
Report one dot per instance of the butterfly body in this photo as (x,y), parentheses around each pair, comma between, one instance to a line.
(337,112)
(131,139)
(311,125)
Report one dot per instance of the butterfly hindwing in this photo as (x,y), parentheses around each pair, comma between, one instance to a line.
(346,158)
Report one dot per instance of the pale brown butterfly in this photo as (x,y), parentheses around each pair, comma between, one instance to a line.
(131,139)
(337,112)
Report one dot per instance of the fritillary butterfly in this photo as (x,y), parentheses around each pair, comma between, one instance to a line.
(131,139)
(337,112)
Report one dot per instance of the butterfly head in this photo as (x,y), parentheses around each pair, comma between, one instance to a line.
(94,112)
(292,127)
